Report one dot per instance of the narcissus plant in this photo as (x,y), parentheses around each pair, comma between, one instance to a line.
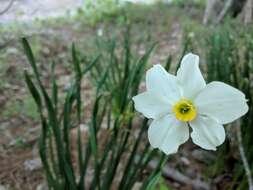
(178,103)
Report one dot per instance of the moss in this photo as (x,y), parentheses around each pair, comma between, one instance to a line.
(30,109)
(25,107)
(161,185)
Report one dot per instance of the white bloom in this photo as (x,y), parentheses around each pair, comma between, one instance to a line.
(177,102)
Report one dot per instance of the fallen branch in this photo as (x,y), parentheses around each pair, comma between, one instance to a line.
(7,8)
(179,177)
(242,154)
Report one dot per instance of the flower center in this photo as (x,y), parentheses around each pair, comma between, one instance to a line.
(184,110)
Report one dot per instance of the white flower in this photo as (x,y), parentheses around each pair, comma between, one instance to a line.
(177,102)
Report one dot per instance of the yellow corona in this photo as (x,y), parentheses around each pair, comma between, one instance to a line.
(184,110)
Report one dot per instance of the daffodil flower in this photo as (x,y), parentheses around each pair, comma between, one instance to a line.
(178,103)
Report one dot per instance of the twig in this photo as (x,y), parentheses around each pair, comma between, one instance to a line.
(7,8)
(208,11)
(242,154)
(224,11)
(179,177)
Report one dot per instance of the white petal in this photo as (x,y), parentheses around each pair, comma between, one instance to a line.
(207,133)
(221,101)
(167,134)
(151,105)
(163,83)
(190,77)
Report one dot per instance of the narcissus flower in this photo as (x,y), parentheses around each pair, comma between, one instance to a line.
(177,102)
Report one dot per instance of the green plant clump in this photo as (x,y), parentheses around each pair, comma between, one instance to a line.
(116,77)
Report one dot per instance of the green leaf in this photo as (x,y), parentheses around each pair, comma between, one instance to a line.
(33,90)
